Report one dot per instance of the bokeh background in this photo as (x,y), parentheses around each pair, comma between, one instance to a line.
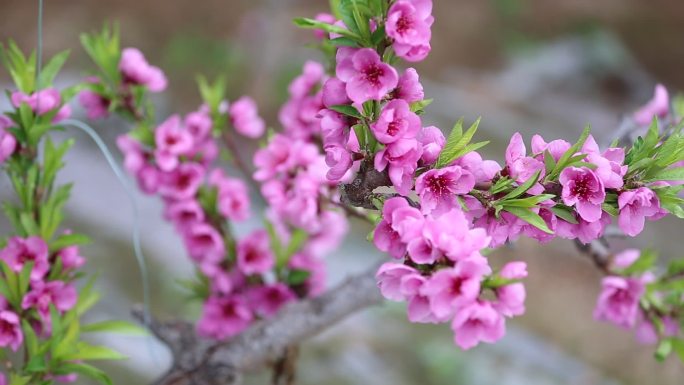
(547,66)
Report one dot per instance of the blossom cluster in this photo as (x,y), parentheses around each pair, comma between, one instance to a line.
(637,299)
(241,280)
(450,203)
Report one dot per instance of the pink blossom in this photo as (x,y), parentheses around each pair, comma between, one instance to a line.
(367,77)
(409,87)
(42,102)
(10,330)
(477,322)
(312,75)
(618,302)
(511,297)
(134,159)
(418,308)
(584,190)
(432,139)
(408,24)
(555,147)
(506,228)
(198,124)
(522,167)
(3,379)
(551,222)
(205,244)
(659,107)
(339,159)
(396,121)
(71,256)
(482,170)
(22,250)
(254,254)
(402,158)
(334,128)
(184,213)
(95,105)
(335,93)
(8,142)
(172,141)
(245,117)
(646,332)
(267,300)
(233,196)
(447,236)
(439,188)
(609,167)
(387,236)
(278,156)
(635,206)
(389,278)
(626,258)
(224,317)
(136,70)
(315,284)
(333,228)
(60,294)
(452,289)
(183,182)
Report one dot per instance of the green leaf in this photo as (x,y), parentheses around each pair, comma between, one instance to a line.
(117,327)
(678,347)
(361,135)
(676,174)
(16,379)
(86,370)
(518,191)
(36,364)
(664,349)
(307,23)
(347,110)
(530,217)
(297,240)
(51,69)
(86,352)
(564,160)
(67,240)
(420,105)
(610,209)
(528,202)
(297,277)
(344,42)
(457,143)
(30,338)
(565,213)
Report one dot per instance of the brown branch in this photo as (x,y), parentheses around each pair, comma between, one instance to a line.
(202,362)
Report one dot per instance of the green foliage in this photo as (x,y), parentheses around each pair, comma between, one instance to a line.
(458,144)
(568,158)
(104,50)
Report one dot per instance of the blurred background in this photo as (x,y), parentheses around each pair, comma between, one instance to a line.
(546,66)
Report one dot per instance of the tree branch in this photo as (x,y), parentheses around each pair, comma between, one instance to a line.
(201,362)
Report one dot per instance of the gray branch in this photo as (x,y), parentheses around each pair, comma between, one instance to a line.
(198,361)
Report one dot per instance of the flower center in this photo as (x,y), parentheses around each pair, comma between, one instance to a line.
(394,127)
(438,184)
(581,187)
(404,24)
(373,73)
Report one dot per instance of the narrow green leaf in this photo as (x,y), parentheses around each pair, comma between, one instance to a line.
(117,327)
(518,191)
(347,110)
(530,217)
